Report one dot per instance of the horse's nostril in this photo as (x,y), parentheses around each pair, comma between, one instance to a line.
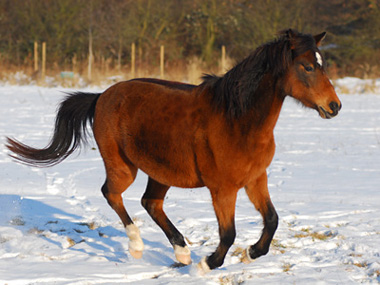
(334,106)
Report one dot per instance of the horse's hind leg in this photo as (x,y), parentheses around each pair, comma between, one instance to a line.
(120,175)
(259,196)
(152,201)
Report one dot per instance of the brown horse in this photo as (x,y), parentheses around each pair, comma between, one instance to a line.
(218,134)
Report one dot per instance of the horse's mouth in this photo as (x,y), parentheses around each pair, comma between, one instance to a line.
(326,115)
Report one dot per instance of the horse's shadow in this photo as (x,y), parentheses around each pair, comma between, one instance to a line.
(34,217)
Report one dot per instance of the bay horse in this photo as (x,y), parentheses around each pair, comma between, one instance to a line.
(218,134)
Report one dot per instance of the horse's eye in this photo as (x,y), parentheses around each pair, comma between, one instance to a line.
(308,68)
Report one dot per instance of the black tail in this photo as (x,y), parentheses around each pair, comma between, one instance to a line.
(70,130)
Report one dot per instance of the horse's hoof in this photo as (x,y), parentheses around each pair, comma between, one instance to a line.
(184,259)
(136,253)
(182,254)
(136,248)
(203,267)
(245,258)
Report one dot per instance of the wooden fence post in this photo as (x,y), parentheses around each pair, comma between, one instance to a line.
(139,61)
(90,55)
(35,56)
(74,62)
(133,60)
(119,55)
(223,61)
(43,73)
(162,54)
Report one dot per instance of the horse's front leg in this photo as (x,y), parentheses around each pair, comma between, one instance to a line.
(259,196)
(224,205)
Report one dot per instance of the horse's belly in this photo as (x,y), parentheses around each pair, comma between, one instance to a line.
(168,163)
(170,174)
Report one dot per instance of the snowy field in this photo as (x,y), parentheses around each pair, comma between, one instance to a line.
(56,227)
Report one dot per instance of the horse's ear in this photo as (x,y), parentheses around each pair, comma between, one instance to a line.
(319,38)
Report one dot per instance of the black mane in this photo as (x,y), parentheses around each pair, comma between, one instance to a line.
(169,84)
(235,92)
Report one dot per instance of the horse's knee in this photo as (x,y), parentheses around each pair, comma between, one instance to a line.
(107,195)
(271,221)
(147,205)
(105,190)
(144,203)
(114,200)
(153,197)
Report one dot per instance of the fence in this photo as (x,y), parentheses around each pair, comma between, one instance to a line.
(41,70)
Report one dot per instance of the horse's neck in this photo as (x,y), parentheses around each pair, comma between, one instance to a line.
(263,116)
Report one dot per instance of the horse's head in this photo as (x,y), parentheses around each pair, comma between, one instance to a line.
(306,79)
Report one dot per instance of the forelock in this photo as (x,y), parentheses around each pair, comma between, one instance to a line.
(302,44)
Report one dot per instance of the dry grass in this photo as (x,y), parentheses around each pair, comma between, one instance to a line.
(228,279)
(306,232)
(286,267)
(275,244)
(90,225)
(71,242)
(105,73)
(237,251)
(361,264)
(235,279)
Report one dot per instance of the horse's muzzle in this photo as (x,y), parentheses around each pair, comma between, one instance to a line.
(335,108)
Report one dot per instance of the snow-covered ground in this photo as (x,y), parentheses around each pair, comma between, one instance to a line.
(56,228)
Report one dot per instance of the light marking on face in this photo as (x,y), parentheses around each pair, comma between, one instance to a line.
(319,59)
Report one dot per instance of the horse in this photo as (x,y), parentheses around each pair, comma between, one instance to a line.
(217,134)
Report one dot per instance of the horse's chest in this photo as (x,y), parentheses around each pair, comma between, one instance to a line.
(239,166)
(257,161)
(263,154)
